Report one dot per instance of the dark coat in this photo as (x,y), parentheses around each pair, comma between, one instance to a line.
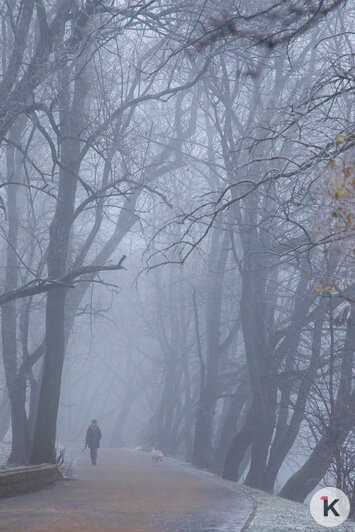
(93,437)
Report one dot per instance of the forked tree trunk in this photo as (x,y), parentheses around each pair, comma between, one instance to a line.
(264,422)
(258,356)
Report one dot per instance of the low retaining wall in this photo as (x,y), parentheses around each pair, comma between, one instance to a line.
(20,480)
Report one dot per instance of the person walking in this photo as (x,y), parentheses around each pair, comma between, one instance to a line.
(93,437)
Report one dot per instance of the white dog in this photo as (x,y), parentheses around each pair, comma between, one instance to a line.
(157,456)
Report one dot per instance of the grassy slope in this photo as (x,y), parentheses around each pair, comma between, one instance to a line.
(275,514)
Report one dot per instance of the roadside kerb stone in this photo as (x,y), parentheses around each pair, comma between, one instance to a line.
(24,479)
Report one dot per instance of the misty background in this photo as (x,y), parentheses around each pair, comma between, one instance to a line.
(177,234)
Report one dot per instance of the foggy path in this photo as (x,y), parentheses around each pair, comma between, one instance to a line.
(125,492)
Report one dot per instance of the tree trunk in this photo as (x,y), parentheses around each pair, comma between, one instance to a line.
(34,398)
(116,438)
(259,366)
(340,423)
(239,446)
(229,427)
(202,445)
(72,123)
(5,415)
(16,383)
(282,445)
(310,474)
(45,428)
(189,413)
(21,440)
(209,387)
(262,433)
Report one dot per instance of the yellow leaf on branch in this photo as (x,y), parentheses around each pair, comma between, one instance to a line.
(348,171)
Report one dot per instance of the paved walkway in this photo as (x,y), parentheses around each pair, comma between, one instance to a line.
(125,492)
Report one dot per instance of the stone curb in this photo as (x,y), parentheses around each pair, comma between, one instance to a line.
(25,479)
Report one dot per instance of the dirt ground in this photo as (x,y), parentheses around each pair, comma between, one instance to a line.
(125,492)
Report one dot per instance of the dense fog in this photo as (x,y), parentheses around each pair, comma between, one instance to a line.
(177,234)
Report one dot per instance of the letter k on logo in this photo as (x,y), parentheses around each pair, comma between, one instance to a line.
(327,507)
(330,507)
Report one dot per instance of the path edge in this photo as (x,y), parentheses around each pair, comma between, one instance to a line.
(232,485)
(253,513)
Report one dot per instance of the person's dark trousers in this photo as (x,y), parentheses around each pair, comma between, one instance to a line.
(93,455)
